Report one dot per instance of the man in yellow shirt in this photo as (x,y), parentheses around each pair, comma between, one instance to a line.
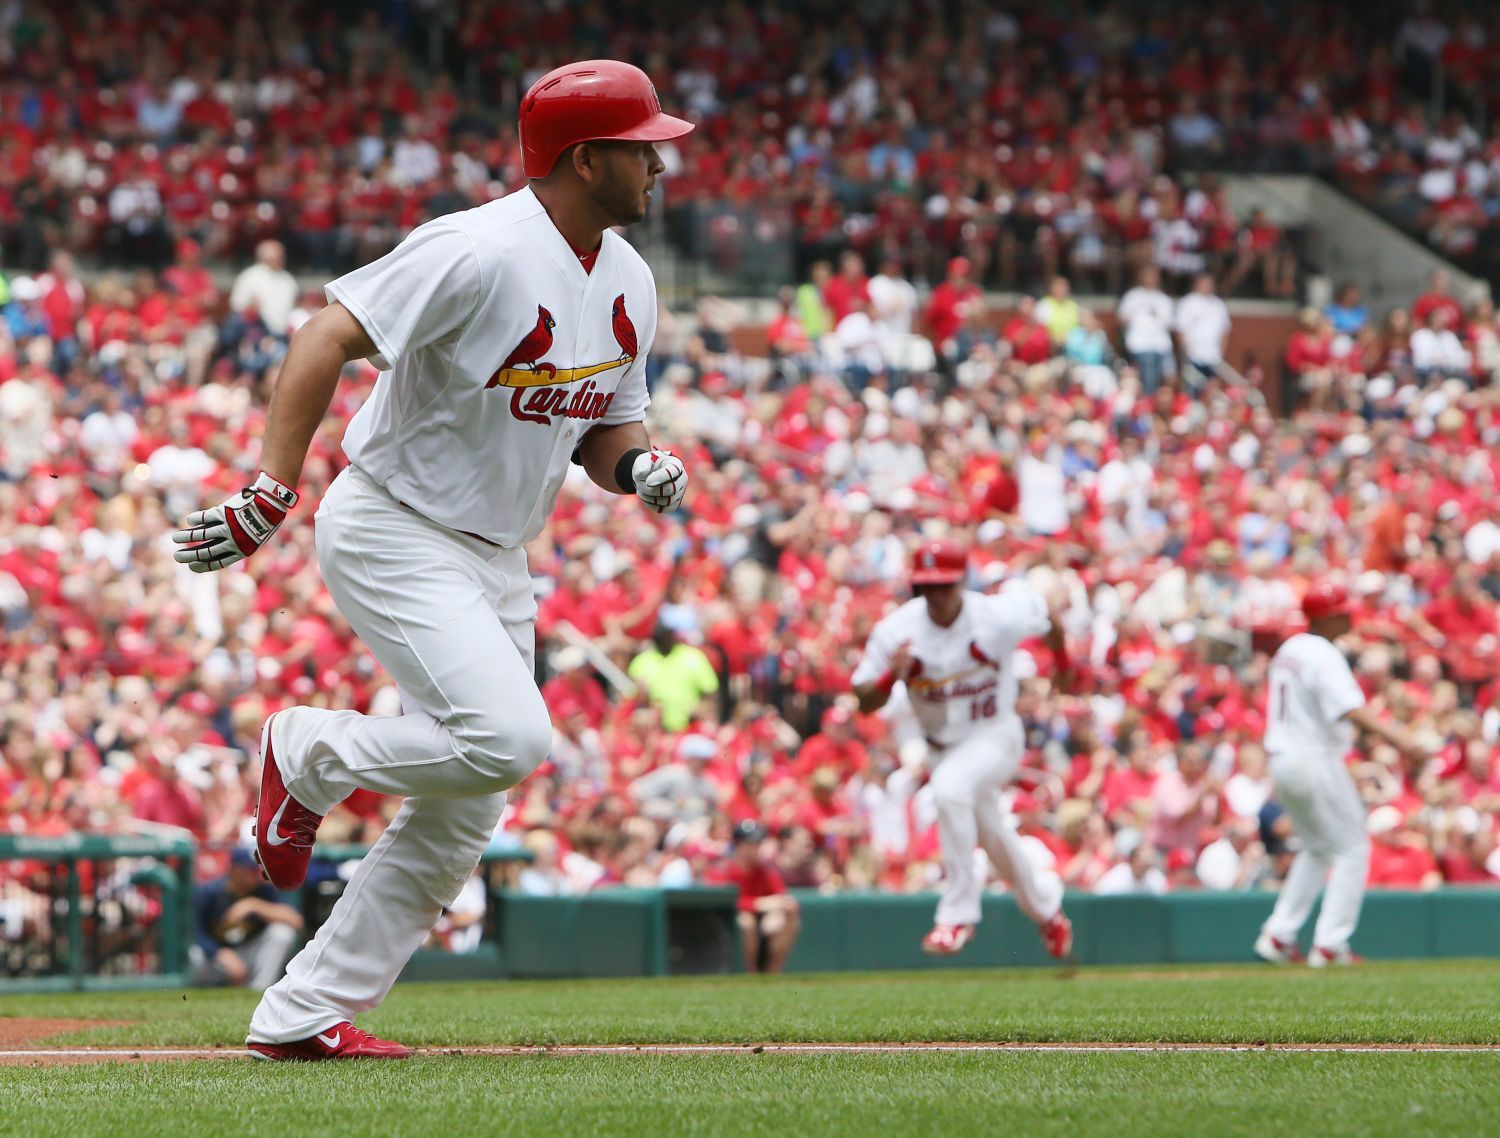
(676,677)
(1058,312)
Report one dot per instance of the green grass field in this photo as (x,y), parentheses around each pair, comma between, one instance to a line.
(1253,1092)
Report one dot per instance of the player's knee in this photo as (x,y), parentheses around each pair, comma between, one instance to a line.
(951,794)
(507,749)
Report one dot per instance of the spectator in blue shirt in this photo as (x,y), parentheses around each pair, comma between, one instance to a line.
(245,930)
(1348,313)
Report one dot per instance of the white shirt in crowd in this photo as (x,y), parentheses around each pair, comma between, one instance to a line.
(1482,541)
(1127,480)
(106,439)
(1312,689)
(1120,879)
(895,301)
(1044,494)
(1202,320)
(499,354)
(1438,348)
(967,680)
(1146,314)
(179,473)
(269,293)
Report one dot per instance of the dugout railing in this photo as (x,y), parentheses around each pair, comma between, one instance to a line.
(89,911)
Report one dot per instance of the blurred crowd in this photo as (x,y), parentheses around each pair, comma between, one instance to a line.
(696,666)
(1035,141)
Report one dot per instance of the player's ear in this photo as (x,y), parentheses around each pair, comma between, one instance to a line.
(585,161)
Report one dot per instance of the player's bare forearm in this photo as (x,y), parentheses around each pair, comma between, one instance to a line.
(305,387)
(1393,733)
(603,447)
(872,697)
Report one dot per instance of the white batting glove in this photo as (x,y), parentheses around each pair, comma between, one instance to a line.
(660,480)
(232,532)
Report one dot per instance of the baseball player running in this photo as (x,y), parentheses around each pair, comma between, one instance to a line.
(515,338)
(953,650)
(1315,704)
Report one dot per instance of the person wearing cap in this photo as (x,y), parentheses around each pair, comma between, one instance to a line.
(953,650)
(769,917)
(950,306)
(244,929)
(1315,705)
(513,338)
(680,791)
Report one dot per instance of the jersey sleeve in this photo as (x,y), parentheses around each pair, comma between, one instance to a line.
(1016,615)
(421,291)
(1338,691)
(877,658)
(631,398)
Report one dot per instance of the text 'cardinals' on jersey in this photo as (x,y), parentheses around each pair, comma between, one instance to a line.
(964,675)
(502,352)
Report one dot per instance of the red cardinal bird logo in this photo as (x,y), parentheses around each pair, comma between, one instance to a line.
(624,329)
(533,347)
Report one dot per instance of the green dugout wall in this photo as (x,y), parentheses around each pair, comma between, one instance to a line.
(855,932)
(643,932)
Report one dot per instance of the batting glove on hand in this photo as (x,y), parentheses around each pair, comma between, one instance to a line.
(232,532)
(660,480)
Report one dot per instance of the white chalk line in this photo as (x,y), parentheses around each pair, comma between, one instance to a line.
(102,1054)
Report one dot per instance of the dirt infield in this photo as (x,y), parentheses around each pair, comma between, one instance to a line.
(17,1031)
(59,1056)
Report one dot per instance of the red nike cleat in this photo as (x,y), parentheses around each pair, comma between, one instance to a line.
(1274,951)
(341,1041)
(284,829)
(947,940)
(1333,958)
(1057,935)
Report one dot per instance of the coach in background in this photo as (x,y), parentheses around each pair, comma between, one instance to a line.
(246,930)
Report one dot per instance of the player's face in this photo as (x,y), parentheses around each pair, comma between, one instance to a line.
(627,175)
(943,602)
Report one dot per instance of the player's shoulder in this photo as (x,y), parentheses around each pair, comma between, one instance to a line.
(905,616)
(1016,600)
(500,225)
(626,254)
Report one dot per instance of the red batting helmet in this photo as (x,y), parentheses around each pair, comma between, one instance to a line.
(587,101)
(939,562)
(1325,599)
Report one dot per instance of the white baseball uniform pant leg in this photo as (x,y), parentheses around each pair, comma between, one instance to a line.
(966,785)
(451,620)
(1329,817)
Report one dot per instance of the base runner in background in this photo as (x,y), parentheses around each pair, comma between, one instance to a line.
(514,336)
(1314,706)
(953,650)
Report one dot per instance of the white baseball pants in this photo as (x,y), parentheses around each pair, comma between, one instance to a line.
(450,618)
(966,784)
(1320,797)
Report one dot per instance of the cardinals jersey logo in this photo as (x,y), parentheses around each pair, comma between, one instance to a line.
(541,391)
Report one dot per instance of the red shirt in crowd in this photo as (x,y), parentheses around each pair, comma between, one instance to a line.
(948,309)
(1399,867)
(760,880)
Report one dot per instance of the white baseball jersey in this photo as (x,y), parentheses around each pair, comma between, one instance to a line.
(1312,689)
(967,677)
(502,353)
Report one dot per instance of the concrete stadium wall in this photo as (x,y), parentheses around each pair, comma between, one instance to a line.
(1348,241)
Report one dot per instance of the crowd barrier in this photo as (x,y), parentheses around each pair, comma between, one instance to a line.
(652,932)
(92,912)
